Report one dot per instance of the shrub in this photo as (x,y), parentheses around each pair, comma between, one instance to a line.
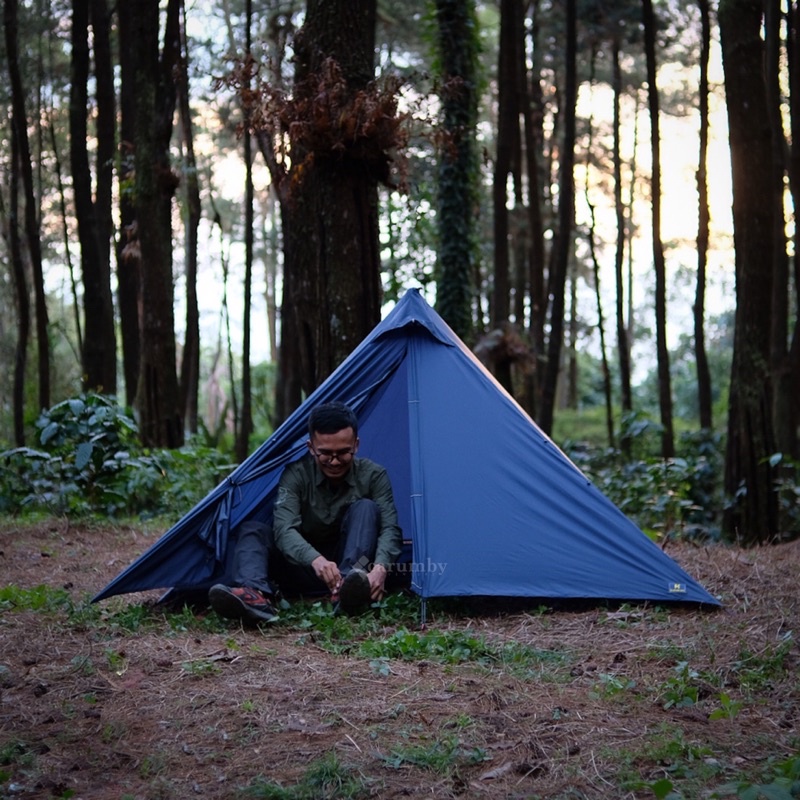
(89,460)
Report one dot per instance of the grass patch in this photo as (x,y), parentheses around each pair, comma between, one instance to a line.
(39,598)
(324,779)
(441,755)
(666,753)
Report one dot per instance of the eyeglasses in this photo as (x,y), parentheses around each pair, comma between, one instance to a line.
(328,456)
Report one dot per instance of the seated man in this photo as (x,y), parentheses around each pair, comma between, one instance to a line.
(334,517)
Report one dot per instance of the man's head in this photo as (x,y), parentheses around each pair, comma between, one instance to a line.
(333,438)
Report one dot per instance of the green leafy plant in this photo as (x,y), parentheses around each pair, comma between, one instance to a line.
(785,784)
(729,709)
(757,671)
(89,460)
(675,756)
(611,685)
(449,647)
(38,598)
(679,690)
(200,668)
(440,755)
(324,779)
(664,790)
(681,495)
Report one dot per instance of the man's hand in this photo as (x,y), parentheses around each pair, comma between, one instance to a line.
(327,572)
(377,579)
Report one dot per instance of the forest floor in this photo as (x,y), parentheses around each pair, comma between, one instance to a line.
(122,699)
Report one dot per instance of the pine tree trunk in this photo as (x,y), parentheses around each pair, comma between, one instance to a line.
(623,344)
(566,222)
(659,265)
(508,137)
(94,215)
(332,263)
(128,254)
(456,44)
(31,213)
(752,516)
(20,287)
(157,396)
(701,358)
(190,360)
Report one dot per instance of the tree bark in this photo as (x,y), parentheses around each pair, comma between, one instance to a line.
(157,397)
(659,265)
(128,250)
(785,327)
(246,421)
(190,361)
(94,214)
(566,221)
(752,516)
(31,213)
(508,141)
(457,47)
(701,358)
(332,262)
(623,344)
(20,282)
(533,113)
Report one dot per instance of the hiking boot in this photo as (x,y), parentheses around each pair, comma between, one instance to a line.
(241,602)
(355,593)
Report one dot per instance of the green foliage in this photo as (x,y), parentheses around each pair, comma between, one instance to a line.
(440,755)
(788,488)
(447,647)
(90,461)
(669,748)
(729,709)
(36,599)
(756,672)
(785,784)
(663,497)
(324,779)
(17,752)
(681,690)
(200,668)
(457,64)
(611,685)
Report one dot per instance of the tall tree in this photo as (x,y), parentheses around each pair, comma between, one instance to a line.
(341,127)
(24,166)
(701,358)
(157,397)
(791,384)
(20,286)
(623,344)
(190,361)
(752,516)
(128,250)
(566,222)
(246,420)
(785,332)
(457,45)
(659,264)
(533,105)
(93,214)
(509,97)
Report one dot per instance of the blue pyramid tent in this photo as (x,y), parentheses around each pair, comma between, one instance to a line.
(487,502)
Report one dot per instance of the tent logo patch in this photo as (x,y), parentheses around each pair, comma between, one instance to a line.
(677,588)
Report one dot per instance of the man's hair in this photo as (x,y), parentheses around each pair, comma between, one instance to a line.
(332,418)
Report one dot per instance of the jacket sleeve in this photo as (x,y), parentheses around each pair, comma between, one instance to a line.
(286,523)
(390,537)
